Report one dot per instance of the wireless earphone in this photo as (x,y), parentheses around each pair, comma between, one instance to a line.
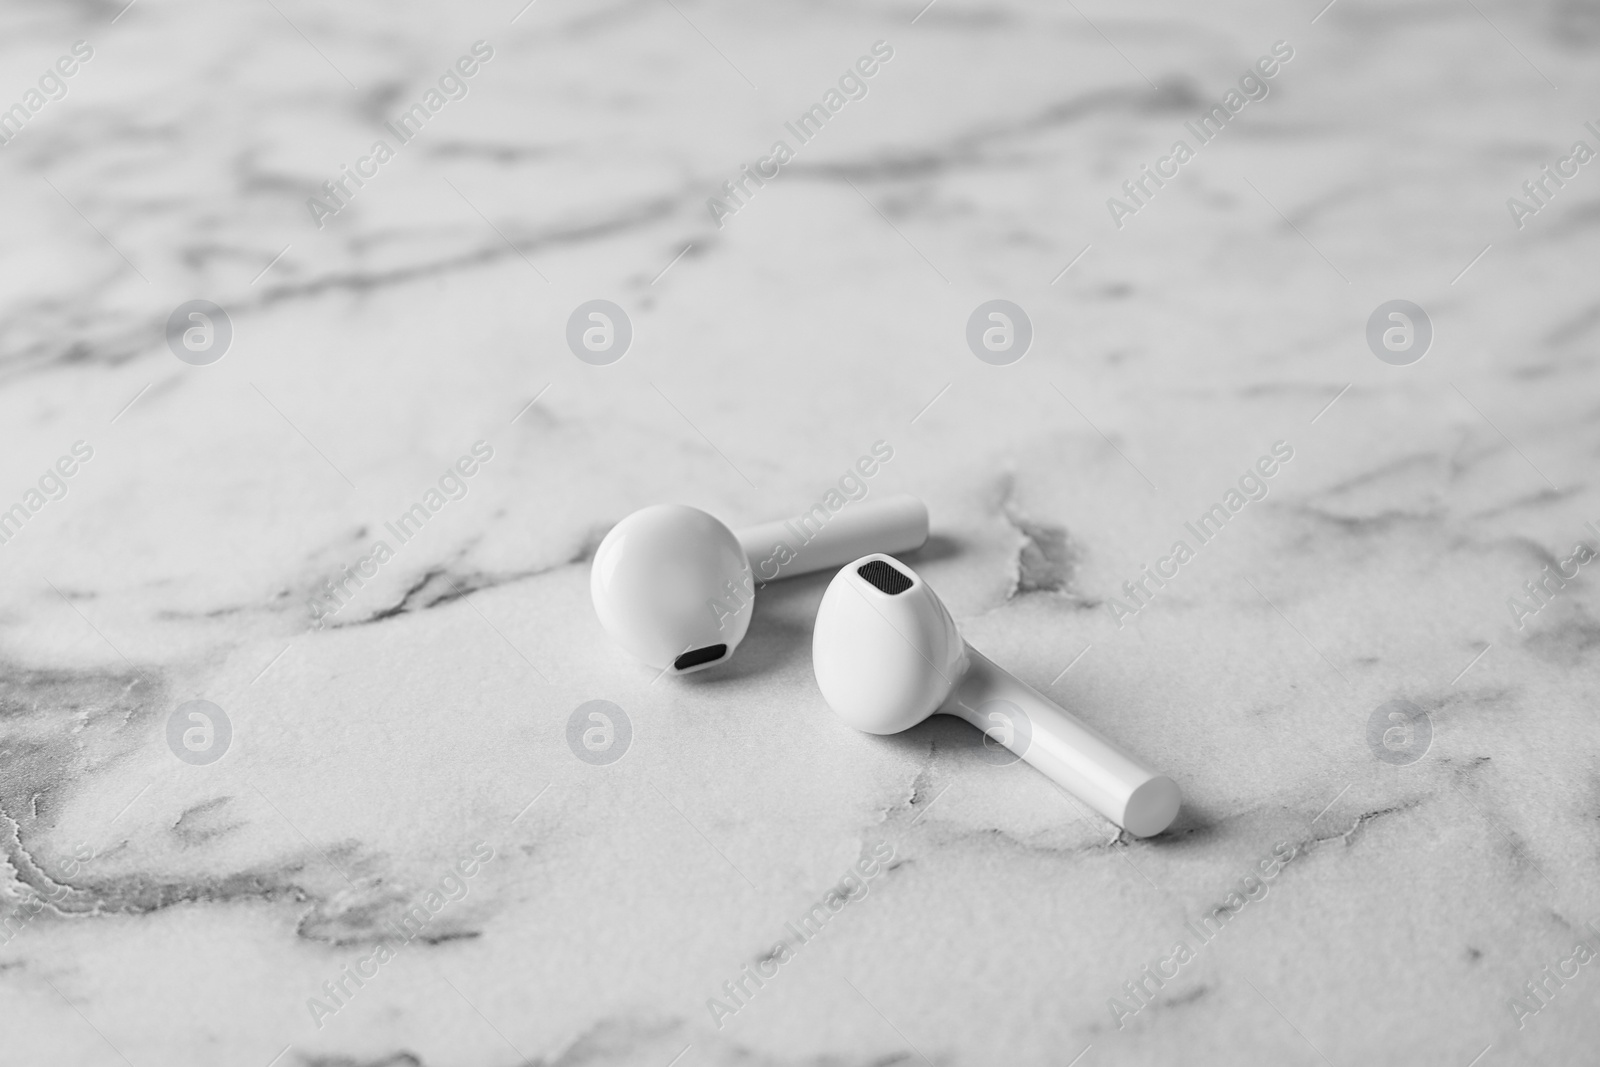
(887,655)
(675,587)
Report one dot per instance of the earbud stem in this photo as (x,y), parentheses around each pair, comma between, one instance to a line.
(1073,754)
(822,540)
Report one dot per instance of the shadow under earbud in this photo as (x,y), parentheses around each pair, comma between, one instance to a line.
(1193,825)
(943,734)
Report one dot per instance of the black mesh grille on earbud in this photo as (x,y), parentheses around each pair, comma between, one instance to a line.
(695,657)
(885,577)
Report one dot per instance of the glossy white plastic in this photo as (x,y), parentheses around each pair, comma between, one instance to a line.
(657,579)
(886,661)
(675,587)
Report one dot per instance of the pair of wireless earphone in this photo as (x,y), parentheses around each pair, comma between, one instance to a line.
(675,587)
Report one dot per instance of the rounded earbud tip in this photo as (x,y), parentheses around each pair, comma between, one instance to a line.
(1152,807)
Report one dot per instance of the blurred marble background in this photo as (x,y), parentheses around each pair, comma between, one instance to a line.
(163,912)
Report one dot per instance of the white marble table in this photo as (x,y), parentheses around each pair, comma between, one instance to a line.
(168,912)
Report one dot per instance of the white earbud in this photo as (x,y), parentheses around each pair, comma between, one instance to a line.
(887,655)
(674,587)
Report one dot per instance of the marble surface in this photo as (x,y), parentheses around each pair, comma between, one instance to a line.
(169,913)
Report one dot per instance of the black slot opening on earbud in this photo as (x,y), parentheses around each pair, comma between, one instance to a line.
(695,657)
(886,578)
